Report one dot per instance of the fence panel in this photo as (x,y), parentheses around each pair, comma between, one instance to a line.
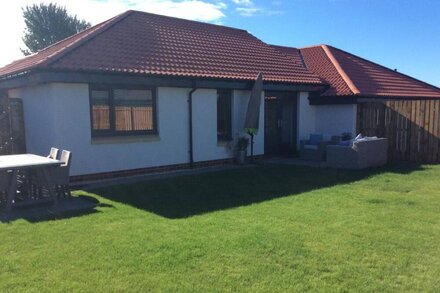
(411,126)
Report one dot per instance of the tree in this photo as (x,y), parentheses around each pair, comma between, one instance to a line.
(47,24)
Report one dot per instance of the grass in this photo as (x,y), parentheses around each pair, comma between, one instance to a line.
(268,228)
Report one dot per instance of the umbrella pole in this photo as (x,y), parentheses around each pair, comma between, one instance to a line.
(252,147)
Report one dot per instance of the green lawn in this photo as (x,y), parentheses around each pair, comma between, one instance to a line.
(265,228)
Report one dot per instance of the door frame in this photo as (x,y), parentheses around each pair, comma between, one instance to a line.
(282,96)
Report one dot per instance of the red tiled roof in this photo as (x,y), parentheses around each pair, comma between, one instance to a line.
(43,57)
(292,53)
(348,75)
(318,62)
(144,43)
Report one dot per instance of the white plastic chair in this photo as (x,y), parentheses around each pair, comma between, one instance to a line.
(53,154)
(59,176)
(32,178)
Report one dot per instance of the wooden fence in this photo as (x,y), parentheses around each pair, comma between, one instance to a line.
(12,136)
(126,118)
(412,127)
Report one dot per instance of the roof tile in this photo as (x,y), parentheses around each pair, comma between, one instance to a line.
(146,43)
(369,78)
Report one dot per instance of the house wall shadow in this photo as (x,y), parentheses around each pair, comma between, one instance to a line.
(77,206)
(187,196)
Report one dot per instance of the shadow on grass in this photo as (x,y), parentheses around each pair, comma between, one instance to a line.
(76,206)
(186,196)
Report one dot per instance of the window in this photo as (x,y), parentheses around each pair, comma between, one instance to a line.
(224,115)
(122,111)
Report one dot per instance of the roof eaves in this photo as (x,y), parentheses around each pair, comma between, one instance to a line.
(340,70)
(13,75)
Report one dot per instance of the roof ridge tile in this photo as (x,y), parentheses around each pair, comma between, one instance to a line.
(340,70)
(188,20)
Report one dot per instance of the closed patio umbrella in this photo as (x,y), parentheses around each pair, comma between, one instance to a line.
(251,123)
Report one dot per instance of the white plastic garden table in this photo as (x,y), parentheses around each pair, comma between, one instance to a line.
(14,163)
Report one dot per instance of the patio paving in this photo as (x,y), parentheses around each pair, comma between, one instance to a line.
(295,161)
(199,170)
(156,175)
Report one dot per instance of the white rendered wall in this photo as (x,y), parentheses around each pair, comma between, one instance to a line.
(324,119)
(206,146)
(205,143)
(336,119)
(58,115)
(65,123)
(38,106)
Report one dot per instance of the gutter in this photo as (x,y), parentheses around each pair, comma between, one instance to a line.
(191,147)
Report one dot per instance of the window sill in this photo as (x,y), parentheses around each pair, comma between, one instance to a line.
(125,139)
(223,143)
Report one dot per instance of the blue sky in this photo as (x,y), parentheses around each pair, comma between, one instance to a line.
(402,34)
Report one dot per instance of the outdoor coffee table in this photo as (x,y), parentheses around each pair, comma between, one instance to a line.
(14,163)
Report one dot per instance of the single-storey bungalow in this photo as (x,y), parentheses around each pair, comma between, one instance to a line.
(142,91)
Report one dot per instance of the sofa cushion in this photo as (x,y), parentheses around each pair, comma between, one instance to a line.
(346,143)
(315,139)
(310,147)
(367,138)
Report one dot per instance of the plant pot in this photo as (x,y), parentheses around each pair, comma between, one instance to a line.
(240,157)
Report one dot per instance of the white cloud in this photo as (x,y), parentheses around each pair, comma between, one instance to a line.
(248,8)
(95,11)
(244,2)
(248,11)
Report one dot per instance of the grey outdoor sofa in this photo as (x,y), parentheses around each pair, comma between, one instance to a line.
(316,152)
(312,152)
(363,154)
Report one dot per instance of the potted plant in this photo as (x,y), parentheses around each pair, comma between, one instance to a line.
(241,149)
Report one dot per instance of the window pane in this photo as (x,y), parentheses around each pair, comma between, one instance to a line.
(100,110)
(224,103)
(133,110)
